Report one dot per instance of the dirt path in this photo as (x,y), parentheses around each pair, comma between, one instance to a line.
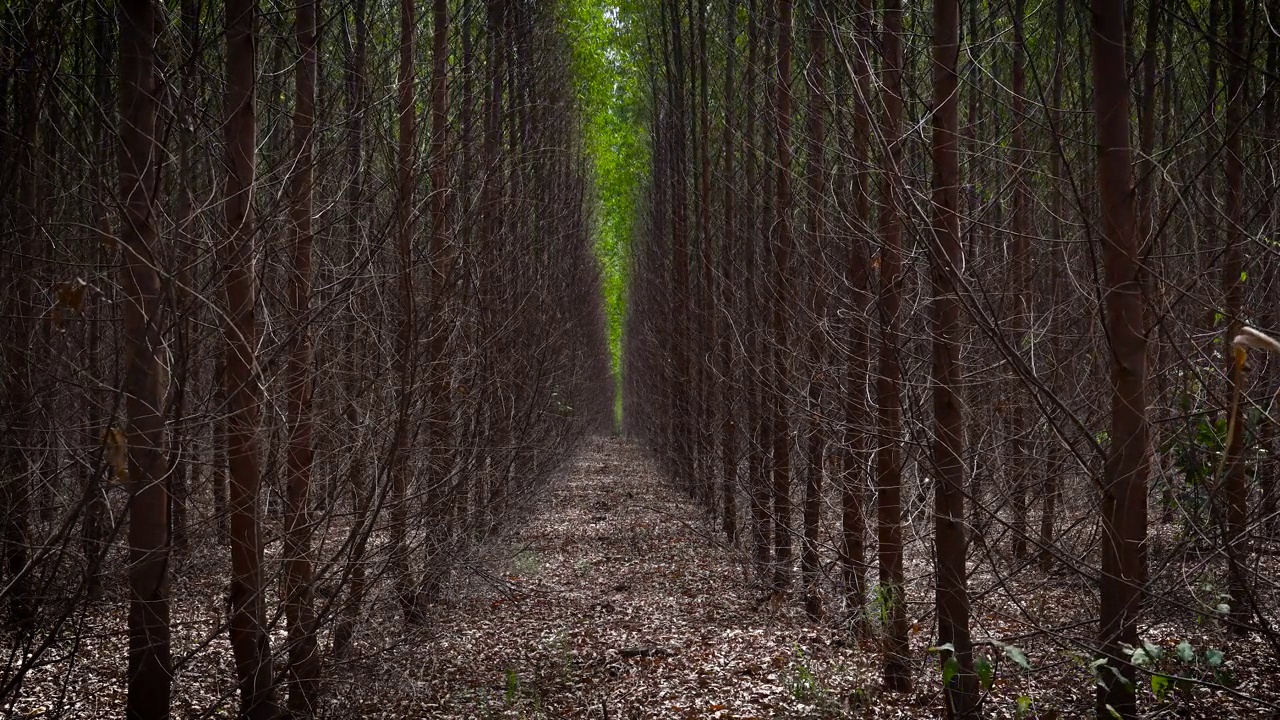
(616,600)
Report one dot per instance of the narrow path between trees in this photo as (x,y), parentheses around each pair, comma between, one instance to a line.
(617,600)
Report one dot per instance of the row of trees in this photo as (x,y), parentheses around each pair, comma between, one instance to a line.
(987,250)
(337,310)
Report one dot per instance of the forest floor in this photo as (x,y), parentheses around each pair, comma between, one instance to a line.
(616,599)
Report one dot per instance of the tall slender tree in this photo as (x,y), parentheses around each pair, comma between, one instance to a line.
(149,660)
(304,658)
(1125,474)
(897,668)
(782,299)
(250,642)
(946,262)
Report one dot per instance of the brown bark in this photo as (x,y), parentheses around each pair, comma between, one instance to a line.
(729,298)
(946,261)
(853,473)
(1125,473)
(897,666)
(304,657)
(184,245)
(93,532)
(1023,289)
(1234,484)
(439,403)
(249,640)
(680,341)
(18,380)
(361,494)
(1058,263)
(782,302)
(406,357)
(816,229)
(149,662)
(761,549)
(704,417)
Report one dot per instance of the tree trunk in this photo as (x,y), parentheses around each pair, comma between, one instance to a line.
(816,175)
(782,304)
(149,661)
(361,494)
(897,660)
(304,657)
(1235,487)
(729,297)
(406,357)
(249,640)
(946,262)
(18,380)
(761,549)
(1022,305)
(439,401)
(1125,473)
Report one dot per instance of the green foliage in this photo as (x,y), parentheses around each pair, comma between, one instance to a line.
(802,684)
(882,597)
(606,54)
(1176,671)
(986,672)
(512,693)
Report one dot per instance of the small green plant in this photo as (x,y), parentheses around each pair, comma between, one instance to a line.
(1180,669)
(802,684)
(877,612)
(512,693)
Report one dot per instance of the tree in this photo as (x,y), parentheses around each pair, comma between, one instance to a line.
(149,661)
(816,230)
(783,296)
(897,673)
(249,640)
(1125,474)
(406,336)
(946,262)
(304,657)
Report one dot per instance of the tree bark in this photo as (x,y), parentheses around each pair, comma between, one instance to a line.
(946,261)
(249,640)
(304,657)
(782,302)
(897,661)
(149,662)
(816,230)
(1125,473)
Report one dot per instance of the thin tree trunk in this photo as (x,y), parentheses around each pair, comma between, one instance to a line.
(304,657)
(1125,473)
(761,549)
(18,380)
(816,175)
(946,261)
(729,297)
(782,303)
(361,494)
(439,402)
(1234,482)
(1058,262)
(897,660)
(249,640)
(149,661)
(1022,305)
(406,364)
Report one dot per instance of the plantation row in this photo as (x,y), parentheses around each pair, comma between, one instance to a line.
(300,306)
(937,301)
